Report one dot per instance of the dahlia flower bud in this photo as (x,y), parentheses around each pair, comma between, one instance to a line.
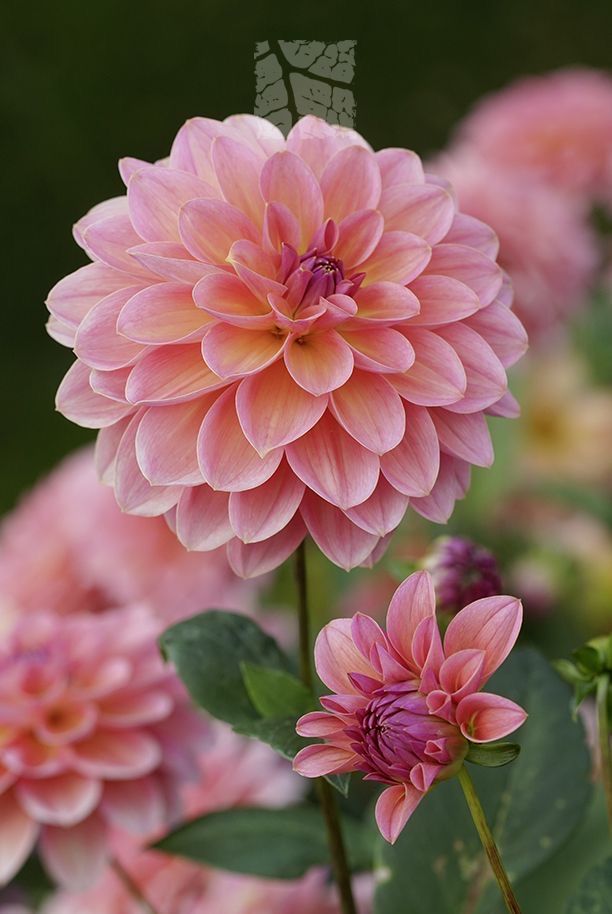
(96,733)
(281,337)
(406,705)
(462,571)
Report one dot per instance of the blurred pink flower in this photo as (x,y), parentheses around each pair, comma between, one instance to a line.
(462,571)
(405,704)
(95,734)
(89,556)
(546,245)
(557,126)
(281,336)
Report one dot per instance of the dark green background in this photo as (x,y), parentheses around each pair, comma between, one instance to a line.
(83,83)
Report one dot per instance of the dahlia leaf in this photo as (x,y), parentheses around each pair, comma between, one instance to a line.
(492,755)
(276,693)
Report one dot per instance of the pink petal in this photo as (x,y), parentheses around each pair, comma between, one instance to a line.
(386,302)
(451,484)
(171,374)
(483,717)
(437,376)
(166,443)
(18,833)
(110,384)
(191,147)
(97,342)
(273,410)
(227,298)
(287,179)
(380,349)
(426,652)
(260,513)
(77,401)
(109,239)
(486,378)
(443,300)
(106,446)
(60,332)
(461,673)
(209,228)
(252,559)
(170,261)
(62,800)
(259,133)
(319,362)
(491,625)
(359,234)
(464,436)
(351,181)
(336,655)
(280,227)
(139,806)
(367,636)
(319,723)
(256,268)
(399,166)
(314,761)
(127,709)
(155,196)
(394,807)
(398,257)
(133,491)
(333,464)
(370,410)
(507,407)
(471,267)
(469,231)
(315,141)
(502,330)
(236,351)
(227,459)
(163,313)
(237,169)
(382,511)
(421,209)
(413,601)
(75,856)
(342,541)
(412,467)
(202,519)
(116,755)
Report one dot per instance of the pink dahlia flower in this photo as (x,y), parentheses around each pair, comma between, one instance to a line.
(92,557)
(96,733)
(280,336)
(407,705)
(547,247)
(557,126)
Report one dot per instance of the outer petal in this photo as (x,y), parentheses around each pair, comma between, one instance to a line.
(381,349)
(273,410)
(413,601)
(386,302)
(437,376)
(382,511)
(371,411)
(155,196)
(287,179)
(171,374)
(260,513)
(97,342)
(476,270)
(490,625)
(74,295)
(336,656)
(18,833)
(166,443)
(461,673)
(502,330)
(170,260)
(412,467)
(399,166)
(208,229)
(319,362)
(133,491)
(75,856)
(202,519)
(76,400)
(394,807)
(422,209)
(252,559)
(162,313)
(319,723)
(237,168)
(467,230)
(451,484)
(228,461)
(486,378)
(483,717)
(351,181)
(116,755)
(342,541)
(399,257)
(464,436)
(314,761)
(315,141)
(109,240)
(443,300)
(333,464)
(63,800)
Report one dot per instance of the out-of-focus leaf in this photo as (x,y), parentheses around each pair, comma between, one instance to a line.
(594,895)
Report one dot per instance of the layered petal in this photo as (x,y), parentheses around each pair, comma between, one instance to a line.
(484,718)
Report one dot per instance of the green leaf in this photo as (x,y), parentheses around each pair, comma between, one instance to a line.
(588,660)
(274,843)
(208,651)
(492,755)
(533,806)
(595,893)
(276,693)
(569,671)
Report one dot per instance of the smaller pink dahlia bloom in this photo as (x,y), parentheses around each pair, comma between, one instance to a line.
(557,126)
(547,247)
(405,704)
(96,733)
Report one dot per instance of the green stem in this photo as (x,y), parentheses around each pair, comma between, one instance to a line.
(342,873)
(603,730)
(132,888)
(488,841)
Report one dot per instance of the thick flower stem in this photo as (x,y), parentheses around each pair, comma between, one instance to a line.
(488,841)
(132,888)
(340,866)
(603,729)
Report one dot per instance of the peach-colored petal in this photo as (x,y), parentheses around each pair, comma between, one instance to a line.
(394,807)
(248,560)
(413,601)
(139,807)
(359,233)
(237,169)
(490,625)
(163,313)
(387,302)
(370,410)
(233,352)
(260,513)
(412,467)
(62,800)
(380,349)
(343,542)
(116,755)
(333,464)
(483,717)
(111,383)
(202,519)
(319,362)
(227,298)
(350,182)
(133,491)
(155,196)
(166,443)
(398,257)
(280,227)
(209,228)
(315,141)
(171,374)
(287,179)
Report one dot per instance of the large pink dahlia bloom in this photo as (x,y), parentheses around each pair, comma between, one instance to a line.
(407,704)
(281,336)
(95,734)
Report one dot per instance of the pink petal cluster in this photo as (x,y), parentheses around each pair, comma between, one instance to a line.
(278,337)
(557,126)
(96,733)
(405,704)
(547,246)
(89,556)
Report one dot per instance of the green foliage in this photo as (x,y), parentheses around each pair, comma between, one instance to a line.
(532,805)
(492,755)
(275,693)
(594,895)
